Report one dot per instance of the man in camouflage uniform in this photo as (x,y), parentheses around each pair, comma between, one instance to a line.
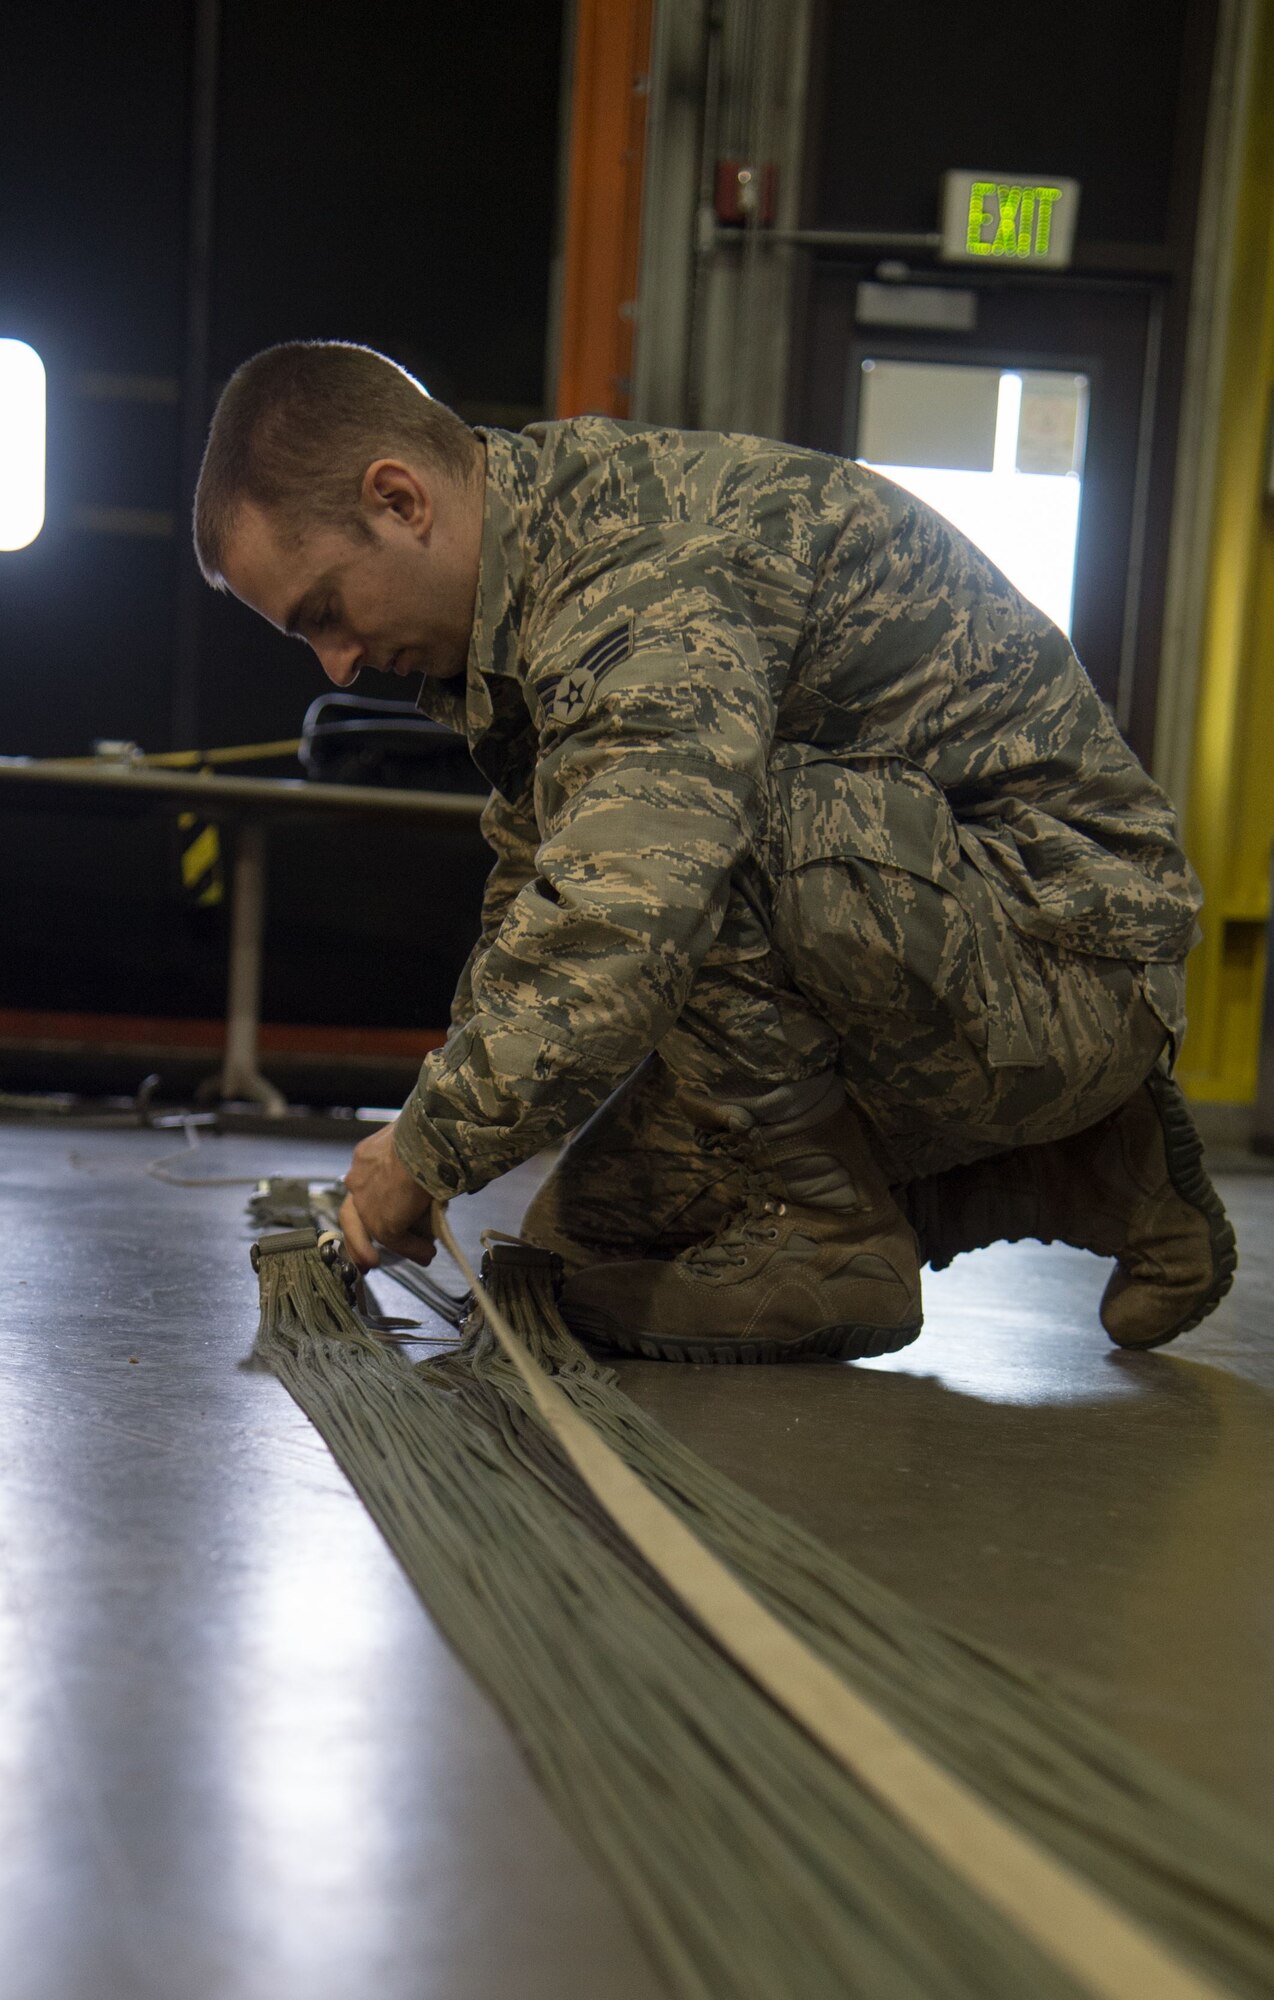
(829,910)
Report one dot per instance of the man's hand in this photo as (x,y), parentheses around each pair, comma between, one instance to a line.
(384,1205)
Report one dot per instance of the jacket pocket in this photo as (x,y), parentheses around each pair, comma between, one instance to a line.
(879,917)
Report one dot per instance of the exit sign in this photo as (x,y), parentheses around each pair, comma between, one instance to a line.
(1008,219)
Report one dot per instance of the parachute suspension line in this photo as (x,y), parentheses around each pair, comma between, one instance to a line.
(795,1782)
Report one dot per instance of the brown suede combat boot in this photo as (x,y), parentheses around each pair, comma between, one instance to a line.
(818,1260)
(1132,1187)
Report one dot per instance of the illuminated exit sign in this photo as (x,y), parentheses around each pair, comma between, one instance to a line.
(1008,219)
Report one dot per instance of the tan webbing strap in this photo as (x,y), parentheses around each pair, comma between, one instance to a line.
(194,760)
(1091,1939)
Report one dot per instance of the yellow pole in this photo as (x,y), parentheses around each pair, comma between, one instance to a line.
(1231,803)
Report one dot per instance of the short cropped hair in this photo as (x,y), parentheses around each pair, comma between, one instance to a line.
(296,428)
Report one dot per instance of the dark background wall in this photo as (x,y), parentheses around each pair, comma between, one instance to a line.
(1106,91)
(390,176)
(384,175)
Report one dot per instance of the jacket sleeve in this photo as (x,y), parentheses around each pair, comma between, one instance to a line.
(654,664)
(512,832)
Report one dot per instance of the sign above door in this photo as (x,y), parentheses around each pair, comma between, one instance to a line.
(1007,218)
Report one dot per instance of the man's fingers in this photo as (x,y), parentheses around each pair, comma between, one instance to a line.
(392,1208)
(420,1249)
(358,1242)
(418,1245)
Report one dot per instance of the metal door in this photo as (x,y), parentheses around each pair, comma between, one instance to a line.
(1105,333)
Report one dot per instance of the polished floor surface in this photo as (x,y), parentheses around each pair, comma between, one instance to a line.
(237,1761)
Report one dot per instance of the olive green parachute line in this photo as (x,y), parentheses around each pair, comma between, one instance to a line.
(749,1860)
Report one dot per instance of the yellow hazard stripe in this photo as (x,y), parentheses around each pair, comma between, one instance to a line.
(202,855)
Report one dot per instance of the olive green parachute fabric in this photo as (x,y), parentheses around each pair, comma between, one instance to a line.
(750,1862)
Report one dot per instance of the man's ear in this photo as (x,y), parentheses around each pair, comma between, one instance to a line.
(391,488)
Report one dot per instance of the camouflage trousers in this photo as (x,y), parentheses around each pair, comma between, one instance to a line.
(861,940)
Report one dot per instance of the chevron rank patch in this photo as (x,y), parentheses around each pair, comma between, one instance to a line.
(576,688)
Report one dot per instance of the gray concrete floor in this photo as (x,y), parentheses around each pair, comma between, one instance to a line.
(237,1761)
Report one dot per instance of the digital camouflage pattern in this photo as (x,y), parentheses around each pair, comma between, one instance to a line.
(786,776)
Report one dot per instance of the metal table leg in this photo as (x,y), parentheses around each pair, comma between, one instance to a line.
(240,1078)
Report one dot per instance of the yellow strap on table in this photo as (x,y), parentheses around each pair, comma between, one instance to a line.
(194,760)
(211,759)
(239,753)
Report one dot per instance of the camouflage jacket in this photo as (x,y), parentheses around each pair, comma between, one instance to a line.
(663,621)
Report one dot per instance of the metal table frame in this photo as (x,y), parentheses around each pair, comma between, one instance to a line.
(249,804)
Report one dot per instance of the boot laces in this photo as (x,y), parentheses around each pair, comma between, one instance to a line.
(753,1223)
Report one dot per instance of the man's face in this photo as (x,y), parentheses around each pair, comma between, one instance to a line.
(399,600)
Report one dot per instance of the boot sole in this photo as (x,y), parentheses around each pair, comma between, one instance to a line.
(826,1343)
(1183,1150)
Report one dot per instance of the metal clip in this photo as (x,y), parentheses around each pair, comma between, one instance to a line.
(280,1245)
(331,1248)
(499,1257)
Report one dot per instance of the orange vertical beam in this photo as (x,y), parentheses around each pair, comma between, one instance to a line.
(609,97)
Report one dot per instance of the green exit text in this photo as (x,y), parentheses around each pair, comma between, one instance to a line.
(1009,221)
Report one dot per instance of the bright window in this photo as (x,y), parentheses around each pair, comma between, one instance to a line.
(998,452)
(21,444)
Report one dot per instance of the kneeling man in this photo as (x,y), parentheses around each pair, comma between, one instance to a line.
(830,913)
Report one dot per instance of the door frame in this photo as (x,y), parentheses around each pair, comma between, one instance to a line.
(1118,347)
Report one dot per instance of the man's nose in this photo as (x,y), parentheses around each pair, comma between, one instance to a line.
(340,661)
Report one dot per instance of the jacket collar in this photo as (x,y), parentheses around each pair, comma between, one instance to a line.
(487,706)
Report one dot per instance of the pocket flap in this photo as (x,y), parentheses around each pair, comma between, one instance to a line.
(880,809)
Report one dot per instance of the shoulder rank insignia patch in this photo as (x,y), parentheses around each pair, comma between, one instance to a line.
(576,687)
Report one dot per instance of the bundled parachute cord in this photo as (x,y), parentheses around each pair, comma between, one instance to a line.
(1158,1843)
(289,1203)
(751,1860)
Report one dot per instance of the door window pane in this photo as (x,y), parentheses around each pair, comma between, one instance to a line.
(998,451)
